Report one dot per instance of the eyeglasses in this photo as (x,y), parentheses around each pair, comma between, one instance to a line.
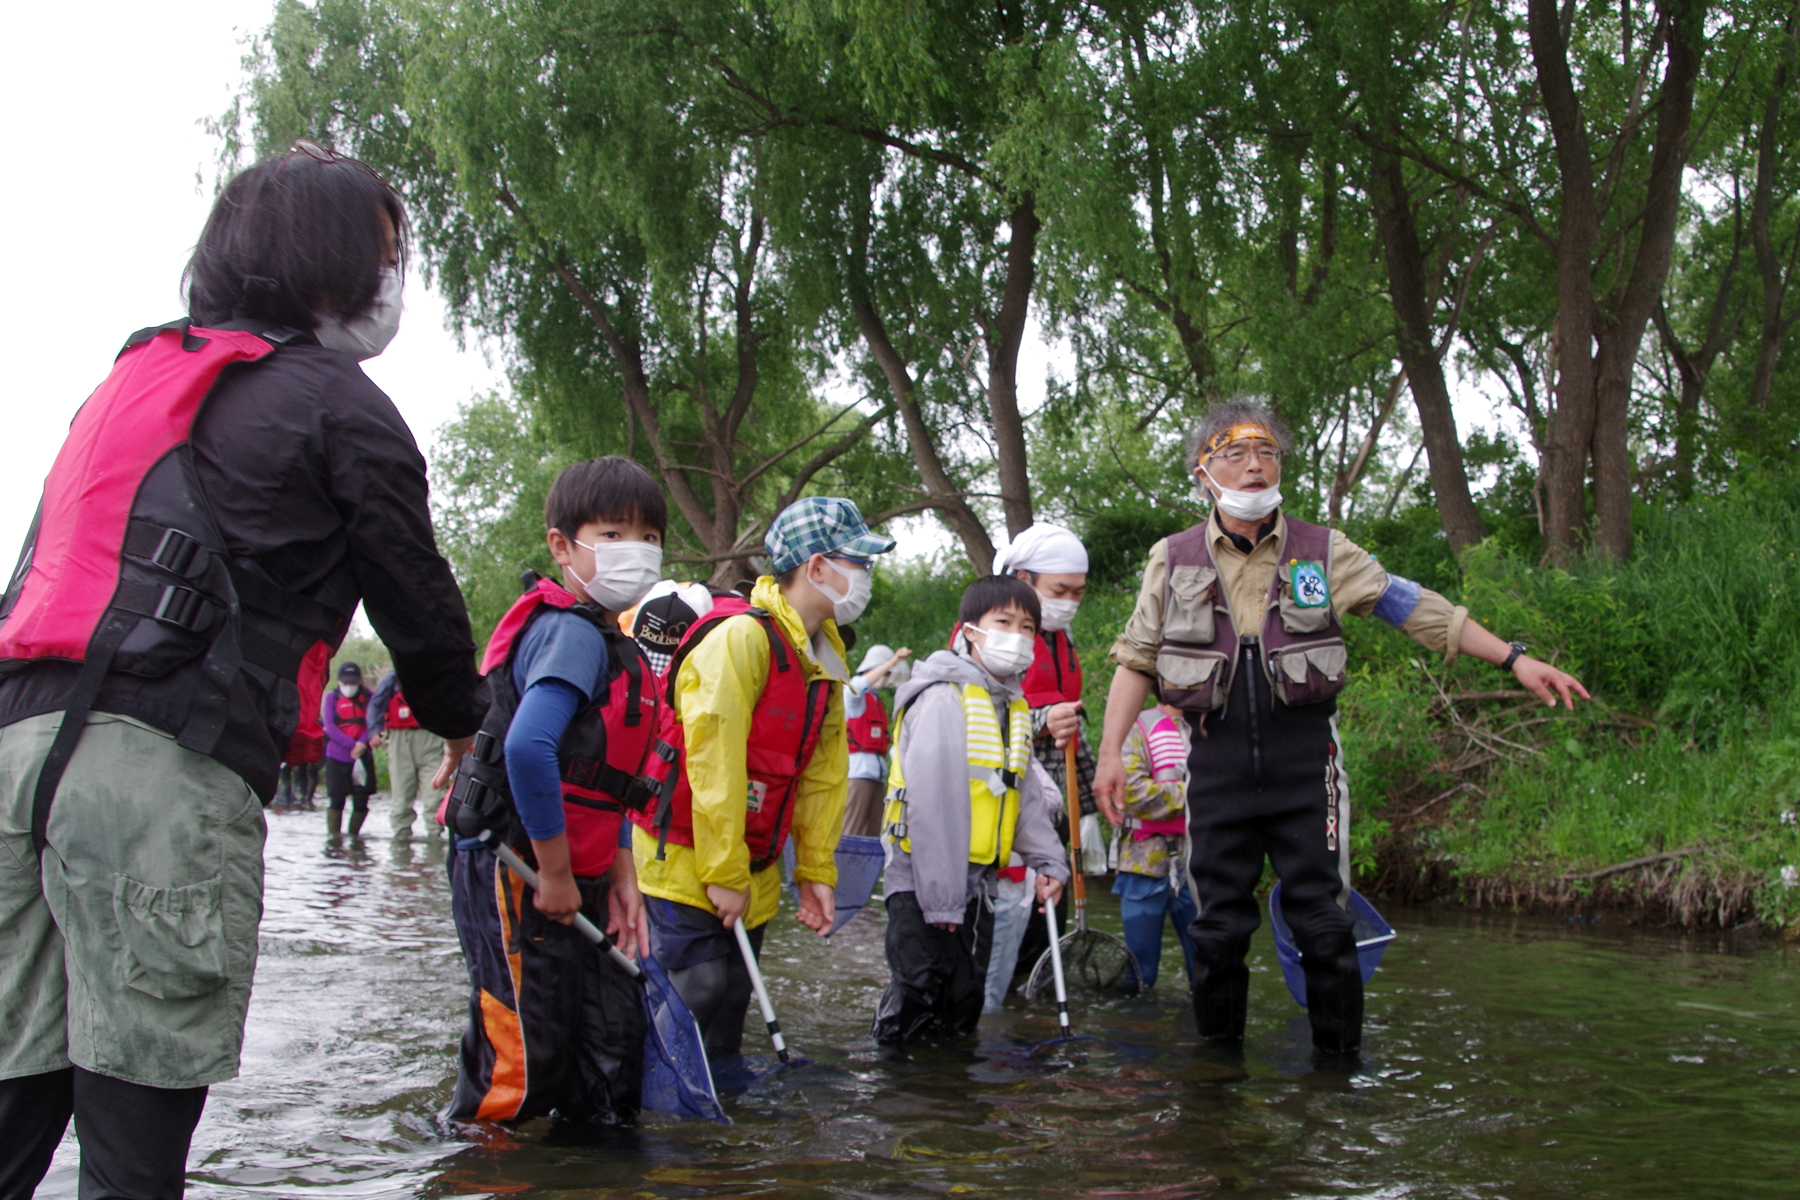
(320,154)
(1238,455)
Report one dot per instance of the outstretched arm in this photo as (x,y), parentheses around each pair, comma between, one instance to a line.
(1544,681)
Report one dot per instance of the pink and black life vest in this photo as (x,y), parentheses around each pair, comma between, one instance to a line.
(784,732)
(610,757)
(126,583)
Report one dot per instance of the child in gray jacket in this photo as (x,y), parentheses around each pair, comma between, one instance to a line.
(964,792)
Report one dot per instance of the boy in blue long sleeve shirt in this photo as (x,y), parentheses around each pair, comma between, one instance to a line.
(555,1027)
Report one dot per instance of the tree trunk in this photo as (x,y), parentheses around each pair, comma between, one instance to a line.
(1571,427)
(1771,327)
(1004,340)
(1629,309)
(1418,356)
(938,486)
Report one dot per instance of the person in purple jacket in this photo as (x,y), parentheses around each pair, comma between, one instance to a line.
(345,715)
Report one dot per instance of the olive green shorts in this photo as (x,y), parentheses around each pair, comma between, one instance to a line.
(129,950)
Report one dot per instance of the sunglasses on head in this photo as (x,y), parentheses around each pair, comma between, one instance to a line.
(320,154)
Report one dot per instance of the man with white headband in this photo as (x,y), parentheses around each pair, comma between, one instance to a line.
(1054,562)
(1238,625)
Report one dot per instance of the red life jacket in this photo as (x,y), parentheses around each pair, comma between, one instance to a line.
(869,733)
(604,753)
(352,712)
(126,596)
(400,713)
(1054,676)
(784,732)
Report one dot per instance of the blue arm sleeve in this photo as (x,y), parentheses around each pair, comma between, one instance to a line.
(531,768)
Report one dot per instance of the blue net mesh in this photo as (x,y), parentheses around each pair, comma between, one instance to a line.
(676,1077)
(859,863)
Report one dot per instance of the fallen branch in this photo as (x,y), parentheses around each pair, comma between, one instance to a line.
(1633,864)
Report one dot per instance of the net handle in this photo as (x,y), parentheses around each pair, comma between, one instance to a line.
(1077,878)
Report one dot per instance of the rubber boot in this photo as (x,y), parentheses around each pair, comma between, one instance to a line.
(1334,995)
(1221,995)
(357,817)
(334,822)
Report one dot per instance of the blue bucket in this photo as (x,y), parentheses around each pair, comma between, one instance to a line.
(1372,937)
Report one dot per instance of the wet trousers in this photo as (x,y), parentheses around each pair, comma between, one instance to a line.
(936,977)
(413,756)
(1145,902)
(555,1026)
(1267,782)
(339,784)
(707,968)
(134,1139)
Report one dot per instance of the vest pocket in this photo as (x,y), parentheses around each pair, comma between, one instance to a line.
(174,937)
(1191,679)
(1308,673)
(1188,610)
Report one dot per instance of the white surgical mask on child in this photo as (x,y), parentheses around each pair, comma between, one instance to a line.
(849,605)
(349,689)
(1058,613)
(1003,652)
(1245,506)
(624,572)
(366,336)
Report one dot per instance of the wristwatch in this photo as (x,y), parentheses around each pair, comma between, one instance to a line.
(1518,648)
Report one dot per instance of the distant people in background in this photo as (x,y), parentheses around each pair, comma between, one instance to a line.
(345,716)
(300,767)
(413,754)
(866,725)
(1152,882)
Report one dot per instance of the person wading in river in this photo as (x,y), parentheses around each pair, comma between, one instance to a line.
(222,503)
(755,703)
(1237,624)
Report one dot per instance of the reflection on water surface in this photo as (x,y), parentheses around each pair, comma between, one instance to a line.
(1525,1059)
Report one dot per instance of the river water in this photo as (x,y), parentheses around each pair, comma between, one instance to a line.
(1517,1058)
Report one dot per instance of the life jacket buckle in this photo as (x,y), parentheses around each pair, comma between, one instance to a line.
(486,748)
(181,606)
(176,552)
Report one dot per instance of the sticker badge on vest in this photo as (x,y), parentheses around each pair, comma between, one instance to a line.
(405,713)
(1309,587)
(875,732)
(754,800)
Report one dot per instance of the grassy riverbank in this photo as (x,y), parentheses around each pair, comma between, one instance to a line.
(1670,799)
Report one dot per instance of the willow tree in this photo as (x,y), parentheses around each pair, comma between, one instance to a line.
(586,191)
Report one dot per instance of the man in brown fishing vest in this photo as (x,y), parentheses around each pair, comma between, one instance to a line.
(1237,624)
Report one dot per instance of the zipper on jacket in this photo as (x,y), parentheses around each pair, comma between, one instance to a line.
(1251,666)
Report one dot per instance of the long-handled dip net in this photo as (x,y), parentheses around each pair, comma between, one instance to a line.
(1094,964)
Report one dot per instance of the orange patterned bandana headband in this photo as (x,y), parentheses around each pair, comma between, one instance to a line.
(1236,433)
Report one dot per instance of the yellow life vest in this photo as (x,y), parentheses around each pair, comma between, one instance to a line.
(996,770)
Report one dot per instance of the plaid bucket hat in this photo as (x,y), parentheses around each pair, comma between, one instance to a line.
(820,525)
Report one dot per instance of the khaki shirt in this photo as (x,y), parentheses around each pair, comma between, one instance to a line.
(1356,581)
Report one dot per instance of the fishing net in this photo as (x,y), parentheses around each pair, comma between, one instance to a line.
(1095,965)
(677,1078)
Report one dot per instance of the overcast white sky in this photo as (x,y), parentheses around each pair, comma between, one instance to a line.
(102,207)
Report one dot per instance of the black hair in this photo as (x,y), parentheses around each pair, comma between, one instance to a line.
(787,577)
(290,237)
(999,591)
(604,489)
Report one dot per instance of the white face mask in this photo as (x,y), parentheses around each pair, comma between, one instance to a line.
(1245,506)
(849,605)
(368,335)
(1058,613)
(1003,652)
(349,689)
(624,573)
